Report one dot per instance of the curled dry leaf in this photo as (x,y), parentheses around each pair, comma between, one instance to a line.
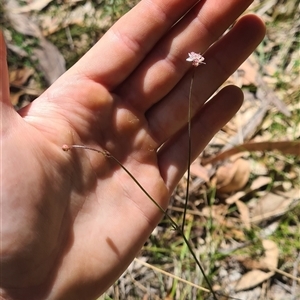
(267,262)
(252,279)
(256,184)
(270,259)
(232,176)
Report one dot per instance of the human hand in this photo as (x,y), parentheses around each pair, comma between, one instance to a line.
(72,222)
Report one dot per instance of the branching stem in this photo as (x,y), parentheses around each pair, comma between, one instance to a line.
(174,224)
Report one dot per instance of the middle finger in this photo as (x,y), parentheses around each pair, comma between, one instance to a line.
(222,59)
(166,65)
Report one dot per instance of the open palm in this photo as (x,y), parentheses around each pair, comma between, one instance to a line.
(73,221)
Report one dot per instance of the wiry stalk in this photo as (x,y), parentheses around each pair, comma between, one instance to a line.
(174,224)
(196,60)
(189,151)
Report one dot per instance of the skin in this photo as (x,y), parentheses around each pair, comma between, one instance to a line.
(71,222)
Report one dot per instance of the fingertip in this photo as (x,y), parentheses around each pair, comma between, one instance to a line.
(255,24)
(221,108)
(235,94)
(210,119)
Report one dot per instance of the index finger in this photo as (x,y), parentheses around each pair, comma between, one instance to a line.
(123,47)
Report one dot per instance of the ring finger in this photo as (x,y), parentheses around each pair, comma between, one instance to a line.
(169,115)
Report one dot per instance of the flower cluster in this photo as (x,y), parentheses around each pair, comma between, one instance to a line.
(196,59)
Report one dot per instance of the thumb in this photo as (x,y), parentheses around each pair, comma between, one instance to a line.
(6,108)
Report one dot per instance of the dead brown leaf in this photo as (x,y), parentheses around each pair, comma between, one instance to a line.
(270,205)
(199,171)
(50,60)
(235,234)
(256,184)
(260,182)
(269,260)
(232,176)
(14,97)
(271,255)
(252,279)
(235,197)
(18,80)
(20,76)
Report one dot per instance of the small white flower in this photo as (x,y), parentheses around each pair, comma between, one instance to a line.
(196,59)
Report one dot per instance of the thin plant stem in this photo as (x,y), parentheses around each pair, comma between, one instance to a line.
(189,150)
(196,60)
(174,224)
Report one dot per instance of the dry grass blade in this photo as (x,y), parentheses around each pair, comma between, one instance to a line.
(171,275)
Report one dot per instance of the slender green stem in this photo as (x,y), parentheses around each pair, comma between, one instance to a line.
(174,224)
(189,150)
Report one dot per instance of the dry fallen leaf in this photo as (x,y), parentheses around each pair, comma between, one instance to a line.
(260,182)
(235,197)
(20,76)
(252,279)
(258,275)
(50,60)
(271,254)
(199,171)
(270,205)
(256,184)
(18,80)
(267,262)
(232,176)
(14,97)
